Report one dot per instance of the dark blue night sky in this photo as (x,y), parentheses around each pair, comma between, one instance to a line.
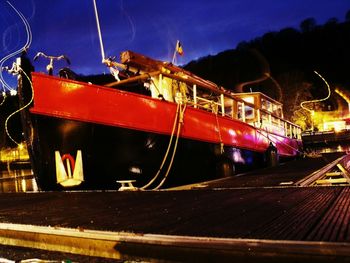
(151,27)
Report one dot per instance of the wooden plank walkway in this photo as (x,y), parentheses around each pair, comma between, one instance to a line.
(248,207)
(287,173)
(317,214)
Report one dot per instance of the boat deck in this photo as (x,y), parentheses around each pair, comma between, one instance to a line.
(251,206)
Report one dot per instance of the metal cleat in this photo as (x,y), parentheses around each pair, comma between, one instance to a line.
(127,185)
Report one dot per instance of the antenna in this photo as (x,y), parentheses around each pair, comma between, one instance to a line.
(99,32)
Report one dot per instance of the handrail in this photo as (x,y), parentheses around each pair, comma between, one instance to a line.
(211,102)
(289,128)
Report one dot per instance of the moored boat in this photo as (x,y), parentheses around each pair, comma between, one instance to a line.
(158,126)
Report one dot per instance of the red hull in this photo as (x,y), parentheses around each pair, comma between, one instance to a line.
(72,100)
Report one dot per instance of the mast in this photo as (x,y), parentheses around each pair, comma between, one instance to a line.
(99,32)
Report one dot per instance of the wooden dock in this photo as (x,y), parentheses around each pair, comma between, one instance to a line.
(255,217)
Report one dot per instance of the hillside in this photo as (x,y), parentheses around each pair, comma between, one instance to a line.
(287,59)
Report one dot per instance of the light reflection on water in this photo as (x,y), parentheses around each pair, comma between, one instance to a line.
(345,147)
(20,180)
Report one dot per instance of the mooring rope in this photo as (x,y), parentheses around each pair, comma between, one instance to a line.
(167,151)
(219,133)
(179,125)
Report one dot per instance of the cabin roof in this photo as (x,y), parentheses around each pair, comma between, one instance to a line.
(245,94)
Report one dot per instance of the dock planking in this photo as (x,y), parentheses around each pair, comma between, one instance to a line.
(257,213)
(254,207)
(289,172)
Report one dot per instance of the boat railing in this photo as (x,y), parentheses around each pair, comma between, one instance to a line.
(224,105)
(207,96)
(215,105)
(207,104)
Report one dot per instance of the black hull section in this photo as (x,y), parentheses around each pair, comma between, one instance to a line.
(113,153)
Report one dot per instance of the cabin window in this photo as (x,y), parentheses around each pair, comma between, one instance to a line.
(266,105)
(249,113)
(248,110)
(277,110)
(228,107)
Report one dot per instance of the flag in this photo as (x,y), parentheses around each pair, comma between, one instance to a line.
(179,49)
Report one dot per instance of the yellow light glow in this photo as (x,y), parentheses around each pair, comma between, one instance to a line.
(13,92)
(69,86)
(334,125)
(249,99)
(13,154)
(342,94)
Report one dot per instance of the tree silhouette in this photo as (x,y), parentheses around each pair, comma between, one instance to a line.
(347,16)
(292,55)
(308,25)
